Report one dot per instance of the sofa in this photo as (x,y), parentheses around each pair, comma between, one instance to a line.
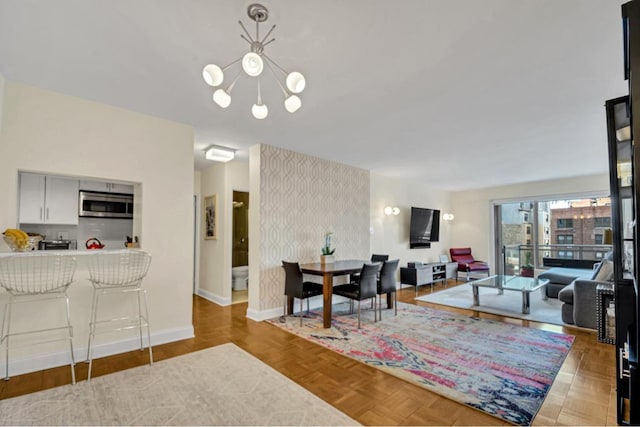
(561,277)
(579,297)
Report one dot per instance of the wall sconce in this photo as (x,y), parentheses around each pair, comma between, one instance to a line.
(219,154)
(447,216)
(391,210)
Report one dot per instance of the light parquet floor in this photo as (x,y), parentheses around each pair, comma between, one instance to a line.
(582,394)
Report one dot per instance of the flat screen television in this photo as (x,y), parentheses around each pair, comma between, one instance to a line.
(424,228)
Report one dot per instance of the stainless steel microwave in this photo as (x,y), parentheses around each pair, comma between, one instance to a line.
(105,205)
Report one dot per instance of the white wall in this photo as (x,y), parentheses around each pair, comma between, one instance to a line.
(473,223)
(391,233)
(48,132)
(215,255)
(2,82)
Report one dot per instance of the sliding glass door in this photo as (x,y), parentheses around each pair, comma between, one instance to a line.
(537,234)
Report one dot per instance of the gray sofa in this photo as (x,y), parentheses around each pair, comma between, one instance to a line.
(579,297)
(561,277)
(579,303)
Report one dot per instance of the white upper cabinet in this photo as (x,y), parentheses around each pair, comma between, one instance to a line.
(48,199)
(106,187)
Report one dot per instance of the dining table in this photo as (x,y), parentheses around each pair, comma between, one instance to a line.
(328,272)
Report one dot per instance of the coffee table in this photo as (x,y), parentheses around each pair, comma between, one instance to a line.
(526,285)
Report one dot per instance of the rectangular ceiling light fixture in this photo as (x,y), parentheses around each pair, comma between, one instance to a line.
(219,154)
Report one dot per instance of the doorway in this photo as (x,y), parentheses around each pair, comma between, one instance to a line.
(240,248)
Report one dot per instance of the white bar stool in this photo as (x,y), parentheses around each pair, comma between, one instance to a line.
(118,272)
(36,277)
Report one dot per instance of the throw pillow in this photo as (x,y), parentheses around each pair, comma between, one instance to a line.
(596,269)
(606,272)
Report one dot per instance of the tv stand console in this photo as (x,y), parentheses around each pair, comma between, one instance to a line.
(418,274)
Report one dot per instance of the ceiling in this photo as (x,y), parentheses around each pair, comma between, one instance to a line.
(455,94)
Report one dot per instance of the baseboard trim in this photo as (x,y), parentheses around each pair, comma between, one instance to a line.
(260,315)
(210,296)
(314,302)
(60,358)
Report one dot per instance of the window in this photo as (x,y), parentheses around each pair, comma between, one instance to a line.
(528,230)
(565,239)
(604,222)
(598,238)
(525,217)
(565,254)
(565,222)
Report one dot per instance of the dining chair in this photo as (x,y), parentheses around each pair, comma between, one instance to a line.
(379,257)
(387,284)
(364,288)
(296,287)
(374,258)
(33,278)
(112,273)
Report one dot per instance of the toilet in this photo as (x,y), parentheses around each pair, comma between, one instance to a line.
(240,276)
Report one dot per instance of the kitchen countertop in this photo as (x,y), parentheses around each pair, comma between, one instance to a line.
(80,252)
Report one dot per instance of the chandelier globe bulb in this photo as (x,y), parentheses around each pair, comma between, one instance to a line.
(213,75)
(222,98)
(296,82)
(259,111)
(292,103)
(252,64)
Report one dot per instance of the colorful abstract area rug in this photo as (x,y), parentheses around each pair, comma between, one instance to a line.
(501,369)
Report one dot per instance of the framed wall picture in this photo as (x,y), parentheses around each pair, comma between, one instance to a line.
(444,258)
(210,219)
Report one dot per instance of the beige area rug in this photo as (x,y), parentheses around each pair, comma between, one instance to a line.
(222,385)
(508,304)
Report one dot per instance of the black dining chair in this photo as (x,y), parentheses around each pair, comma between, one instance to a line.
(296,287)
(387,283)
(379,257)
(364,288)
(374,258)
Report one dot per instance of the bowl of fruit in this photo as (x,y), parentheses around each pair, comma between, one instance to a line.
(19,241)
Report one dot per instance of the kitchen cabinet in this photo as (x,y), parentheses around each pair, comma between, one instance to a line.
(48,199)
(106,187)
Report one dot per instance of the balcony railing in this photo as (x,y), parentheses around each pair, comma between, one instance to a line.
(515,256)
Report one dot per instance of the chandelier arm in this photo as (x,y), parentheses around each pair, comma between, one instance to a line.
(230,87)
(259,94)
(275,63)
(234,62)
(265,37)
(245,30)
(245,39)
(272,40)
(286,94)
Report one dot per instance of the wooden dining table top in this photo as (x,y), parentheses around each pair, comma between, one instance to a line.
(336,267)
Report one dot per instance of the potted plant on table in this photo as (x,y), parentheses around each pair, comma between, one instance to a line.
(526,270)
(327,252)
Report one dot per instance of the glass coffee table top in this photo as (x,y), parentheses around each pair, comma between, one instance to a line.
(525,285)
(512,283)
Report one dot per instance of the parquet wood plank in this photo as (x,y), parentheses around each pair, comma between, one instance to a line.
(583,393)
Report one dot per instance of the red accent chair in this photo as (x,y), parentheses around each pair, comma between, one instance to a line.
(467,263)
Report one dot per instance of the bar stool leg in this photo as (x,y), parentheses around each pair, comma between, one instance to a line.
(146,310)
(92,331)
(7,316)
(140,320)
(70,331)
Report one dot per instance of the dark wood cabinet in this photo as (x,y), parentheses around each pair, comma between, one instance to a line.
(624,162)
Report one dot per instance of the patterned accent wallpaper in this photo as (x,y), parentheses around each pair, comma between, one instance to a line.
(301,198)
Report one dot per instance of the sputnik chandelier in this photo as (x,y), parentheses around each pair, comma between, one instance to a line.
(253,63)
